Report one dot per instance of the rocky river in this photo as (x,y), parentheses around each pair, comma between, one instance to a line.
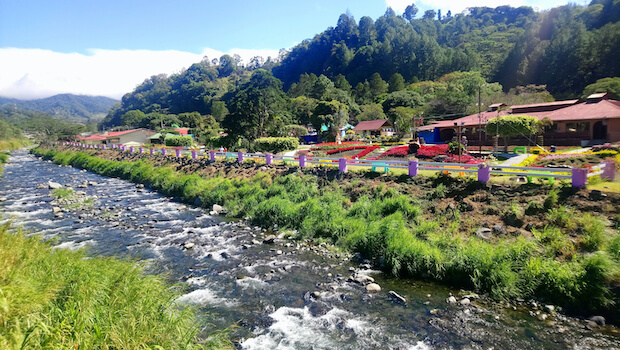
(275,292)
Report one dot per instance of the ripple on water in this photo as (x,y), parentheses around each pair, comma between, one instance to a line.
(205,296)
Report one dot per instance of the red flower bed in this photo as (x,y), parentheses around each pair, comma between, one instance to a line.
(334,145)
(365,152)
(465,159)
(432,151)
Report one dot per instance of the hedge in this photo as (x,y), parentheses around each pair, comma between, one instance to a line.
(275,144)
(179,141)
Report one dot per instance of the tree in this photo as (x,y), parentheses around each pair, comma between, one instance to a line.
(362,93)
(429,14)
(397,83)
(409,99)
(227,65)
(340,82)
(402,119)
(133,118)
(219,110)
(333,114)
(367,30)
(512,126)
(371,112)
(377,85)
(255,106)
(410,12)
(609,85)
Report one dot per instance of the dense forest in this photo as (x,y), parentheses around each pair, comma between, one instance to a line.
(406,68)
(38,125)
(74,108)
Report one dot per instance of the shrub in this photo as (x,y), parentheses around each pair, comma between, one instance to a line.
(552,199)
(275,144)
(593,232)
(179,141)
(432,151)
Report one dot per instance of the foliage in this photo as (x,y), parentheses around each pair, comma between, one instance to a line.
(402,151)
(431,151)
(60,299)
(609,85)
(179,141)
(276,144)
(296,130)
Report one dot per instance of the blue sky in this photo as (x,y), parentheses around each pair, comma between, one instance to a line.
(108,47)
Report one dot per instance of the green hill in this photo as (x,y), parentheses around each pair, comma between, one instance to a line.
(74,108)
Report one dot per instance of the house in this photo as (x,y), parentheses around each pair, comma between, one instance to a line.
(593,121)
(381,127)
(140,136)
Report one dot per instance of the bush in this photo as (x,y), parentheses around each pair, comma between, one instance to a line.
(275,144)
(179,141)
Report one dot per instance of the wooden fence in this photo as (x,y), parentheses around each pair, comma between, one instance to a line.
(578,176)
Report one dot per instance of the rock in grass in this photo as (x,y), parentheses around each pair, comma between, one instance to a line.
(373,287)
(484,233)
(399,298)
(217,208)
(499,229)
(451,300)
(465,301)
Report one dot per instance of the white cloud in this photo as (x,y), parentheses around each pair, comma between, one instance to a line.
(399,6)
(36,73)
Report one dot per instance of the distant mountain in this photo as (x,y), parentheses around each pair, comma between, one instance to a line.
(74,108)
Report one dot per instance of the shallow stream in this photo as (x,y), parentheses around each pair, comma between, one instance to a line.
(285,295)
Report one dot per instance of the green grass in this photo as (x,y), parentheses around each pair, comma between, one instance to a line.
(56,299)
(385,222)
(62,192)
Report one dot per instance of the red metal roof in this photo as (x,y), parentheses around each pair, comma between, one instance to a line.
(545,104)
(371,125)
(182,131)
(111,134)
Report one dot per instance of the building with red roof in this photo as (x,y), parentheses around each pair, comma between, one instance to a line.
(596,120)
(381,127)
(118,137)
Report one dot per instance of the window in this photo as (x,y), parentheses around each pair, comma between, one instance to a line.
(551,128)
(578,127)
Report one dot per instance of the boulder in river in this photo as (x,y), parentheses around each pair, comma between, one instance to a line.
(270,239)
(54,185)
(465,301)
(599,320)
(451,300)
(397,297)
(373,287)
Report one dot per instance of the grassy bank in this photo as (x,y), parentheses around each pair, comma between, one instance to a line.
(51,299)
(13,144)
(423,227)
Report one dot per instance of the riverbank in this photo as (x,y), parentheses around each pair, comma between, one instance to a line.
(60,298)
(556,244)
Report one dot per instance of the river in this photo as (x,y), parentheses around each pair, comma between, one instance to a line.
(285,295)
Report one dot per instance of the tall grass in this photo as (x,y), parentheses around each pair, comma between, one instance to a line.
(383,223)
(59,299)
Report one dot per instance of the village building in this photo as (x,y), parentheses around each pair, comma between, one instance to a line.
(593,121)
(381,127)
(126,137)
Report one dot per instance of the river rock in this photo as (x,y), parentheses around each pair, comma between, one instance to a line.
(198,202)
(54,185)
(3,199)
(41,186)
(56,210)
(182,207)
(189,245)
(399,298)
(465,301)
(550,308)
(271,239)
(451,300)
(363,279)
(599,320)
(373,287)
(484,233)
(217,209)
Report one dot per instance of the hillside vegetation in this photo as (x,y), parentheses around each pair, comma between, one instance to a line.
(73,108)
(395,67)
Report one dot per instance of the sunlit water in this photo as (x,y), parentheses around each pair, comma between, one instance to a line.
(265,294)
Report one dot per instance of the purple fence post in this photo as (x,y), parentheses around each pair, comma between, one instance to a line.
(302,160)
(413,168)
(178,153)
(194,154)
(342,165)
(240,157)
(609,171)
(130,149)
(152,151)
(579,177)
(212,156)
(268,158)
(103,146)
(484,172)
(163,151)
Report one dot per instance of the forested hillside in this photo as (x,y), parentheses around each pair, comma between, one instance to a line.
(403,68)
(74,108)
(40,125)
